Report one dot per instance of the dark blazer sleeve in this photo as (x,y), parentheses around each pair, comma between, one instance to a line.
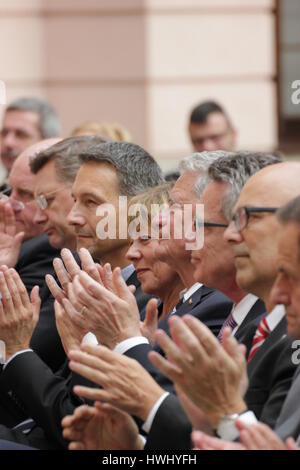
(35,261)
(46,397)
(171,429)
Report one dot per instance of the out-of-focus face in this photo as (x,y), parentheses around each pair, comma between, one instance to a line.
(22,183)
(19,131)
(255,248)
(173,250)
(213,264)
(286,288)
(53,219)
(214,134)
(155,276)
(95,184)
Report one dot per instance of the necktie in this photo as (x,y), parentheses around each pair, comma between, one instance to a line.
(230,321)
(260,337)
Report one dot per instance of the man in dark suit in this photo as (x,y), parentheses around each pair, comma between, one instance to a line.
(285,291)
(255,251)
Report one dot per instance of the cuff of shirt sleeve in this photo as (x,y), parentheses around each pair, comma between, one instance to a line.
(149,421)
(129,343)
(15,355)
(227,430)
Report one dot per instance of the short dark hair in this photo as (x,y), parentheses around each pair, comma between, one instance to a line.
(136,168)
(49,123)
(290,212)
(201,112)
(235,169)
(65,154)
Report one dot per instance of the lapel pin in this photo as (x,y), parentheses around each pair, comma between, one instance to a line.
(190,301)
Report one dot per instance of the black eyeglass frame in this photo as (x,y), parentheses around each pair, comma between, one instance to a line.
(248,210)
(198,224)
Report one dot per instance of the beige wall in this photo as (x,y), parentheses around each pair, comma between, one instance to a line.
(145,63)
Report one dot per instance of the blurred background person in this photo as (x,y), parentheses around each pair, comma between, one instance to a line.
(114,132)
(25,122)
(210,128)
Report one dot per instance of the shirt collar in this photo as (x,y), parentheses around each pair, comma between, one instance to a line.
(127,272)
(243,307)
(275,316)
(187,293)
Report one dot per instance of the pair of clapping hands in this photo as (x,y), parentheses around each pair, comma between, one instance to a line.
(95,299)
(206,375)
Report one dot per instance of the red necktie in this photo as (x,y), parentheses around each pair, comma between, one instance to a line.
(260,337)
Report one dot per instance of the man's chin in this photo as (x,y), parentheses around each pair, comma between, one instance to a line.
(84,243)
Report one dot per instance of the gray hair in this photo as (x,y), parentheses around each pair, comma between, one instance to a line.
(290,212)
(49,123)
(136,169)
(200,161)
(65,154)
(235,171)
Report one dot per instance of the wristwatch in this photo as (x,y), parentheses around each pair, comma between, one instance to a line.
(226,428)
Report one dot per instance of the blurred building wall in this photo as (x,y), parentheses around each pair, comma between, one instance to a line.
(145,64)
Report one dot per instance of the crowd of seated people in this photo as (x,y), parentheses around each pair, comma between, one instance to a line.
(137,314)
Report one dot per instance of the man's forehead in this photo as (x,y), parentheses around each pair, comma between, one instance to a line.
(289,238)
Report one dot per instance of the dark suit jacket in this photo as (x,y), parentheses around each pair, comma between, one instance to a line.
(35,261)
(288,423)
(248,327)
(270,374)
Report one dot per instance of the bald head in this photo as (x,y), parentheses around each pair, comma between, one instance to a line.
(274,185)
(255,245)
(22,183)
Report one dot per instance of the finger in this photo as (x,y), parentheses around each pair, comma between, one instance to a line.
(73,297)
(71,434)
(67,421)
(18,239)
(22,291)
(172,371)
(9,220)
(70,263)
(186,340)
(36,302)
(93,394)
(62,274)
(120,285)
(6,298)
(132,288)
(151,318)
(247,440)
(291,444)
(230,345)
(108,275)
(76,446)
(88,264)
(15,295)
(91,361)
(54,288)
(171,350)
(207,340)
(75,316)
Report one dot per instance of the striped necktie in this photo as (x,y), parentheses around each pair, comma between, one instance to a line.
(230,321)
(260,337)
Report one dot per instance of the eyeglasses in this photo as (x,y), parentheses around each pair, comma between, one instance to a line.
(203,223)
(43,200)
(242,215)
(16,205)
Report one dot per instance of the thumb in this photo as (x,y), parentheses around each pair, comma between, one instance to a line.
(19,238)
(151,318)
(35,300)
(120,285)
